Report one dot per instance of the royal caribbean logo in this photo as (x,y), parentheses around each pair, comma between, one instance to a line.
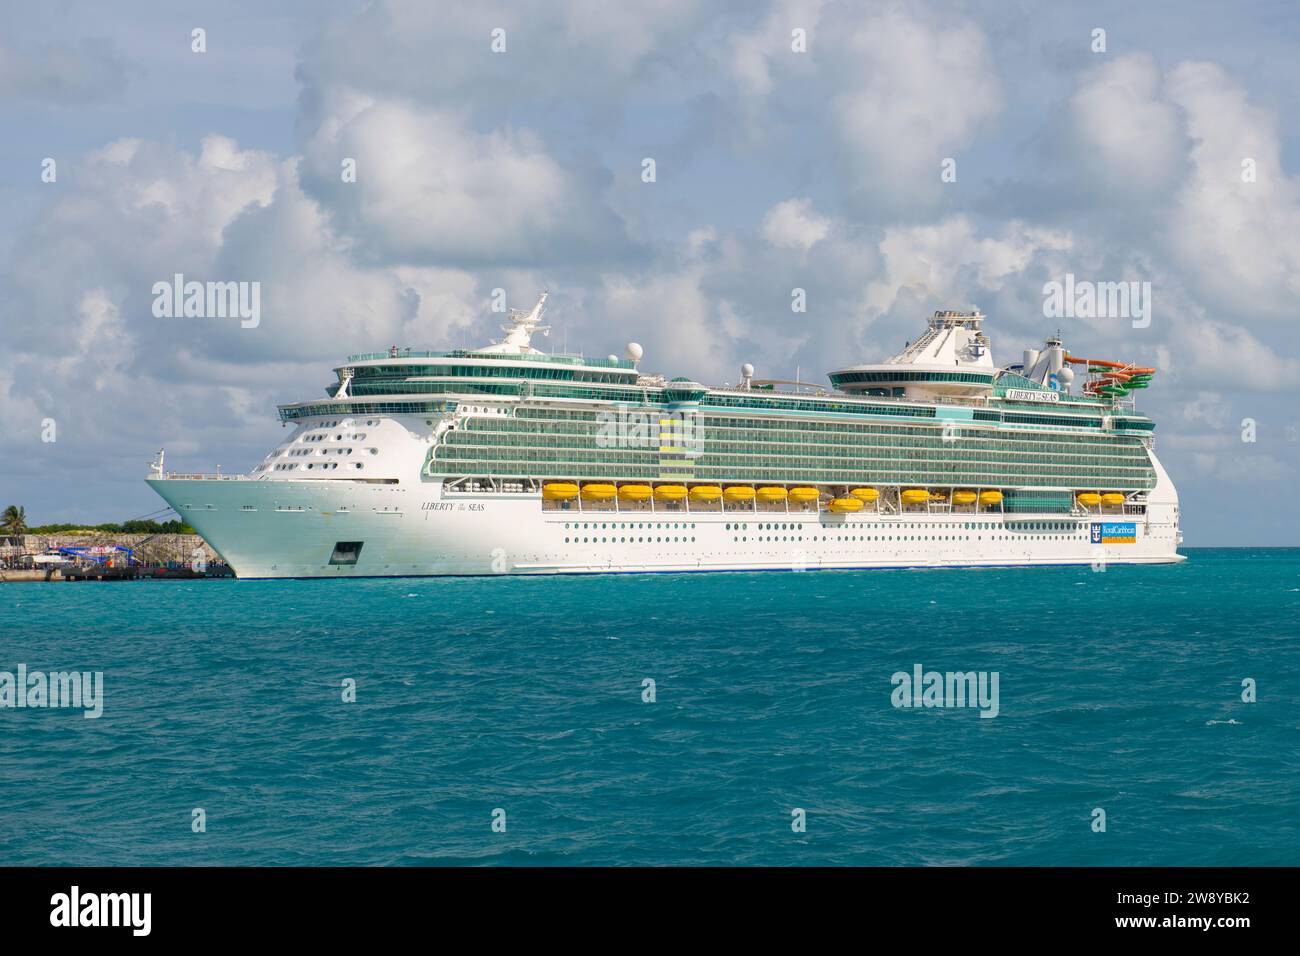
(1114,532)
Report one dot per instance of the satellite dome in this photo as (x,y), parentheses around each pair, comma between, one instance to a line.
(634,352)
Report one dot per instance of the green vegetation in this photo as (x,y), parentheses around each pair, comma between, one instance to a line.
(14,520)
(126,527)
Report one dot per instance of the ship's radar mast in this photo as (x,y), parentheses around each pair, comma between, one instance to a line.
(519,330)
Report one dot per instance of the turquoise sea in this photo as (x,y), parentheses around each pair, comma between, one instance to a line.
(1119,690)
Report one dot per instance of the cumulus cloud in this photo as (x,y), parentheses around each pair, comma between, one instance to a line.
(1239,241)
(793,225)
(139,213)
(1232,356)
(911,92)
(1129,137)
(1190,142)
(949,260)
(753,56)
(431,189)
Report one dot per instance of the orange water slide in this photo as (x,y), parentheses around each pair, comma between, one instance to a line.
(1102,363)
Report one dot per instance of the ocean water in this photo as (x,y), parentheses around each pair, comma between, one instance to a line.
(1119,690)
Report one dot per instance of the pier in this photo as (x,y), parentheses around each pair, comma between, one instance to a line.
(105,556)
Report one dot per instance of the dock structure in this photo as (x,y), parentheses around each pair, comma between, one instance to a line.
(104,556)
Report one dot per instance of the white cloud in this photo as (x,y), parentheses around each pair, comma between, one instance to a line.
(1239,242)
(948,261)
(1127,134)
(793,225)
(680,326)
(1205,408)
(139,212)
(911,93)
(1178,141)
(431,189)
(753,55)
(1232,357)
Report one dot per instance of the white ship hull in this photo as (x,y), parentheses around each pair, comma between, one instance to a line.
(290,529)
(435,463)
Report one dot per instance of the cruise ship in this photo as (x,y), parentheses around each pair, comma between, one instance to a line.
(511,460)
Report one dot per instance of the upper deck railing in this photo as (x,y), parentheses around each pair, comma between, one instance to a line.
(493,357)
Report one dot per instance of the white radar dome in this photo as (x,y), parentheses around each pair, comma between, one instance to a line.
(747,370)
(1065,376)
(634,352)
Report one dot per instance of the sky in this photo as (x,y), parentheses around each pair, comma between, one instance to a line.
(887,159)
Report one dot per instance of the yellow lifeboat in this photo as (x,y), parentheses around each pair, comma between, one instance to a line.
(865,494)
(559,491)
(1112,498)
(671,492)
(738,493)
(990,497)
(804,494)
(635,492)
(964,497)
(706,492)
(772,493)
(841,505)
(1089,499)
(938,496)
(915,496)
(597,492)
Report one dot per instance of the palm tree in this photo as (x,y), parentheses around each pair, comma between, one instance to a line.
(14,520)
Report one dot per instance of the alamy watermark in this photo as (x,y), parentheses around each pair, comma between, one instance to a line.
(922,688)
(1084,299)
(632,428)
(75,908)
(83,690)
(208,300)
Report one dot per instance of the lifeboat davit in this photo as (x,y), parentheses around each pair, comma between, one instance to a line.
(706,492)
(598,492)
(559,491)
(844,505)
(671,492)
(804,494)
(635,492)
